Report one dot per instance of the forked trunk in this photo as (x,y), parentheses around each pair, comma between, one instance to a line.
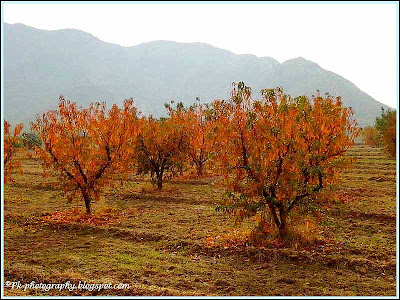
(281,221)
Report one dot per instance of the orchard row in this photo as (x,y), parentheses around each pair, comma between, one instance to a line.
(270,154)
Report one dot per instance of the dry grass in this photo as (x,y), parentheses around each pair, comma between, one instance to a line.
(159,246)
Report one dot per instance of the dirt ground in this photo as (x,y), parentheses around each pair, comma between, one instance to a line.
(157,241)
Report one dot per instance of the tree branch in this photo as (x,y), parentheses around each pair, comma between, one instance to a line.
(299,197)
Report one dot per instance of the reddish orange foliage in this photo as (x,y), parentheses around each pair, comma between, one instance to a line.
(279,150)
(75,215)
(87,147)
(371,136)
(10,141)
(201,138)
(160,146)
(232,239)
(345,197)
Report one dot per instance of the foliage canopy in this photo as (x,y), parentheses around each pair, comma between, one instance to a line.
(276,151)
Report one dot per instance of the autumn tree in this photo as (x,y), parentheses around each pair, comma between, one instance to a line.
(160,146)
(11,141)
(86,147)
(276,152)
(371,136)
(386,126)
(200,125)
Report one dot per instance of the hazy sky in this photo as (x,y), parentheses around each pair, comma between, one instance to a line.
(356,41)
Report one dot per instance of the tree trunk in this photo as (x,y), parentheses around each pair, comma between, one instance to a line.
(160,180)
(283,223)
(87,199)
(199,169)
(159,183)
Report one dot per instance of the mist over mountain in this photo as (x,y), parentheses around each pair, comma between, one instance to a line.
(41,65)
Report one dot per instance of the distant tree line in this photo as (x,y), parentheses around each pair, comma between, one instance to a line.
(383,133)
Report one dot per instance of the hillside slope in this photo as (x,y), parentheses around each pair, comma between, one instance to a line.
(40,65)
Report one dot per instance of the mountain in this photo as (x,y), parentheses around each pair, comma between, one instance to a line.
(41,65)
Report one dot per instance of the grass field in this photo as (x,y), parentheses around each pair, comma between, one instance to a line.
(158,243)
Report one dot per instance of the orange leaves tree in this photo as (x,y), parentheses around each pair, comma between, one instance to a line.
(275,152)
(200,125)
(160,146)
(371,136)
(86,147)
(11,140)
